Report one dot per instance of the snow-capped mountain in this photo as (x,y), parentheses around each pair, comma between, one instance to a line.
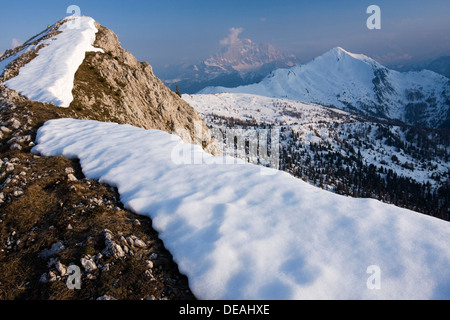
(239,62)
(359,84)
(85,179)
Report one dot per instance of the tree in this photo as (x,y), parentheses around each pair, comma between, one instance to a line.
(177,90)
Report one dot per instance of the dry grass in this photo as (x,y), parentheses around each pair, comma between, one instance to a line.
(41,215)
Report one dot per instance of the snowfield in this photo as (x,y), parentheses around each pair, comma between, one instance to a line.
(263,110)
(49,77)
(238,234)
(314,124)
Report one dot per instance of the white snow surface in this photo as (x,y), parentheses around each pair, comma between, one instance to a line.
(238,234)
(339,78)
(308,120)
(49,77)
(261,109)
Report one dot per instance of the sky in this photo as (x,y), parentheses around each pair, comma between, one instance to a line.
(187,31)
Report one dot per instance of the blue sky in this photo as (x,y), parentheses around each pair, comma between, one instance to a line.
(172,31)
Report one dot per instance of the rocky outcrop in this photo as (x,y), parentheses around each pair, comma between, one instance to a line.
(52,217)
(115,86)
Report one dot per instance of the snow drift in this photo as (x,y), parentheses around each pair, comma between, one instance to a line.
(238,234)
(49,77)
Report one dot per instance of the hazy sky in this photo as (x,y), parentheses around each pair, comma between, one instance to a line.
(173,31)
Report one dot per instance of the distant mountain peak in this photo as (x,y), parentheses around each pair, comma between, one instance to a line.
(341,53)
(359,84)
(239,62)
(244,55)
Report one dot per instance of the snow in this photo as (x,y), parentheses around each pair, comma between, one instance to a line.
(239,234)
(49,77)
(339,78)
(314,124)
(4,63)
(260,108)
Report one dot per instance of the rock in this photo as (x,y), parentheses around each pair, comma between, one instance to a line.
(98,256)
(138,243)
(9,167)
(62,270)
(106,297)
(16,146)
(149,264)
(105,268)
(149,274)
(52,277)
(15,124)
(123,240)
(5,130)
(154,256)
(135,242)
(140,99)
(88,264)
(69,170)
(43,278)
(136,223)
(19,139)
(112,249)
(18,193)
(56,248)
(71,177)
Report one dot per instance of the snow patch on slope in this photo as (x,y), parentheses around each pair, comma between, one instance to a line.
(238,234)
(49,77)
(261,109)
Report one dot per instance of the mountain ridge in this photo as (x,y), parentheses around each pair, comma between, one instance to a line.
(357,83)
(51,215)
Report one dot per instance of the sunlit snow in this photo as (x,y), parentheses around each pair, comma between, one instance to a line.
(50,76)
(238,234)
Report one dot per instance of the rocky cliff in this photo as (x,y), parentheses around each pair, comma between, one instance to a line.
(114,86)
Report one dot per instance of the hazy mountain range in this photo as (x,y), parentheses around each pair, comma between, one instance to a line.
(239,62)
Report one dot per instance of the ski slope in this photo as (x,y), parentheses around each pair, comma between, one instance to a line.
(239,234)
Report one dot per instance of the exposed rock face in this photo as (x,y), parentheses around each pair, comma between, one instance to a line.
(114,86)
(46,199)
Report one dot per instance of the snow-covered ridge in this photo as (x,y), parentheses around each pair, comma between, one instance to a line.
(261,109)
(49,77)
(355,82)
(238,234)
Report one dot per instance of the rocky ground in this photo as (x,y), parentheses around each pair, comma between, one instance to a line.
(52,218)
